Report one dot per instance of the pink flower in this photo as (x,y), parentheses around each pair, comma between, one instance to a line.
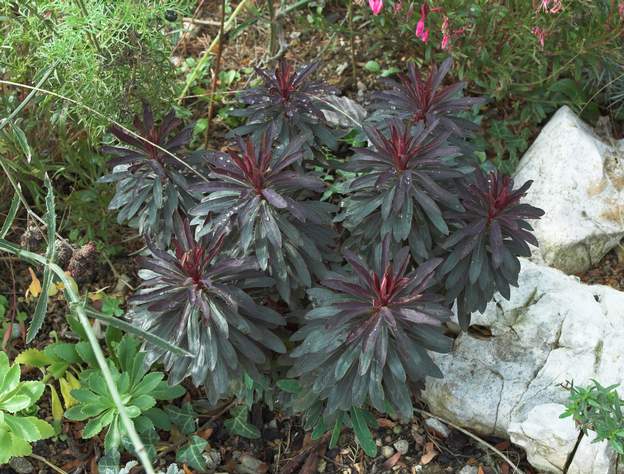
(621,9)
(539,34)
(544,5)
(375,6)
(556,7)
(446,34)
(421,31)
(398,6)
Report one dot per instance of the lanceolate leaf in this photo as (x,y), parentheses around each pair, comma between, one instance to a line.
(42,303)
(137,331)
(362,432)
(8,221)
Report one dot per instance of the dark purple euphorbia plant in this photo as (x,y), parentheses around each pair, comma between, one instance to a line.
(151,184)
(427,100)
(370,331)
(291,104)
(267,208)
(489,236)
(403,187)
(194,298)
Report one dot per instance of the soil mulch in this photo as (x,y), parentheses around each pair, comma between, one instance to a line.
(610,271)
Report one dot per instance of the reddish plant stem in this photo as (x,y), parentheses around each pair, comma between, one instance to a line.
(216,70)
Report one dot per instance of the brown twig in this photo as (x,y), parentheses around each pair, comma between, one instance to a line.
(571,455)
(475,437)
(216,70)
(47,463)
(295,462)
(186,34)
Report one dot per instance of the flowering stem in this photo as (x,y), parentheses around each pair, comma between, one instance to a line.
(215,76)
(351,42)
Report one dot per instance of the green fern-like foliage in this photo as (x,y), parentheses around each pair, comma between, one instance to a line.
(18,431)
(109,55)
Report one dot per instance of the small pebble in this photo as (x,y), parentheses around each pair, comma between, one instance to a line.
(402,446)
(437,426)
(387,451)
(322,466)
(378,442)
(213,459)
(397,429)
(250,465)
(468,469)
(21,465)
(388,439)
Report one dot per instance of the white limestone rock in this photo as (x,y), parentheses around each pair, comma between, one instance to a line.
(579,182)
(553,330)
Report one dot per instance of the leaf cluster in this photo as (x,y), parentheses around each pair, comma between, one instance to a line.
(139,390)
(420,225)
(149,175)
(598,409)
(17,431)
(196,298)
(291,105)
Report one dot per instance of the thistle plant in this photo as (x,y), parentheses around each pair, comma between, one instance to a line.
(195,297)
(488,237)
(269,210)
(402,188)
(150,183)
(291,104)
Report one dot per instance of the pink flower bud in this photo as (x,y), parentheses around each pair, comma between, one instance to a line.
(375,6)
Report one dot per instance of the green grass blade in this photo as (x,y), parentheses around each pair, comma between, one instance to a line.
(5,121)
(42,303)
(129,328)
(8,222)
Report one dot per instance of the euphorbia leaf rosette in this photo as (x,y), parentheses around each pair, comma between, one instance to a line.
(151,185)
(291,104)
(489,237)
(195,297)
(427,100)
(370,333)
(265,205)
(402,189)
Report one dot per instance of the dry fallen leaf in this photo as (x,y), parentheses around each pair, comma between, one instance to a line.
(385,423)
(429,454)
(206,434)
(502,446)
(34,288)
(392,460)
